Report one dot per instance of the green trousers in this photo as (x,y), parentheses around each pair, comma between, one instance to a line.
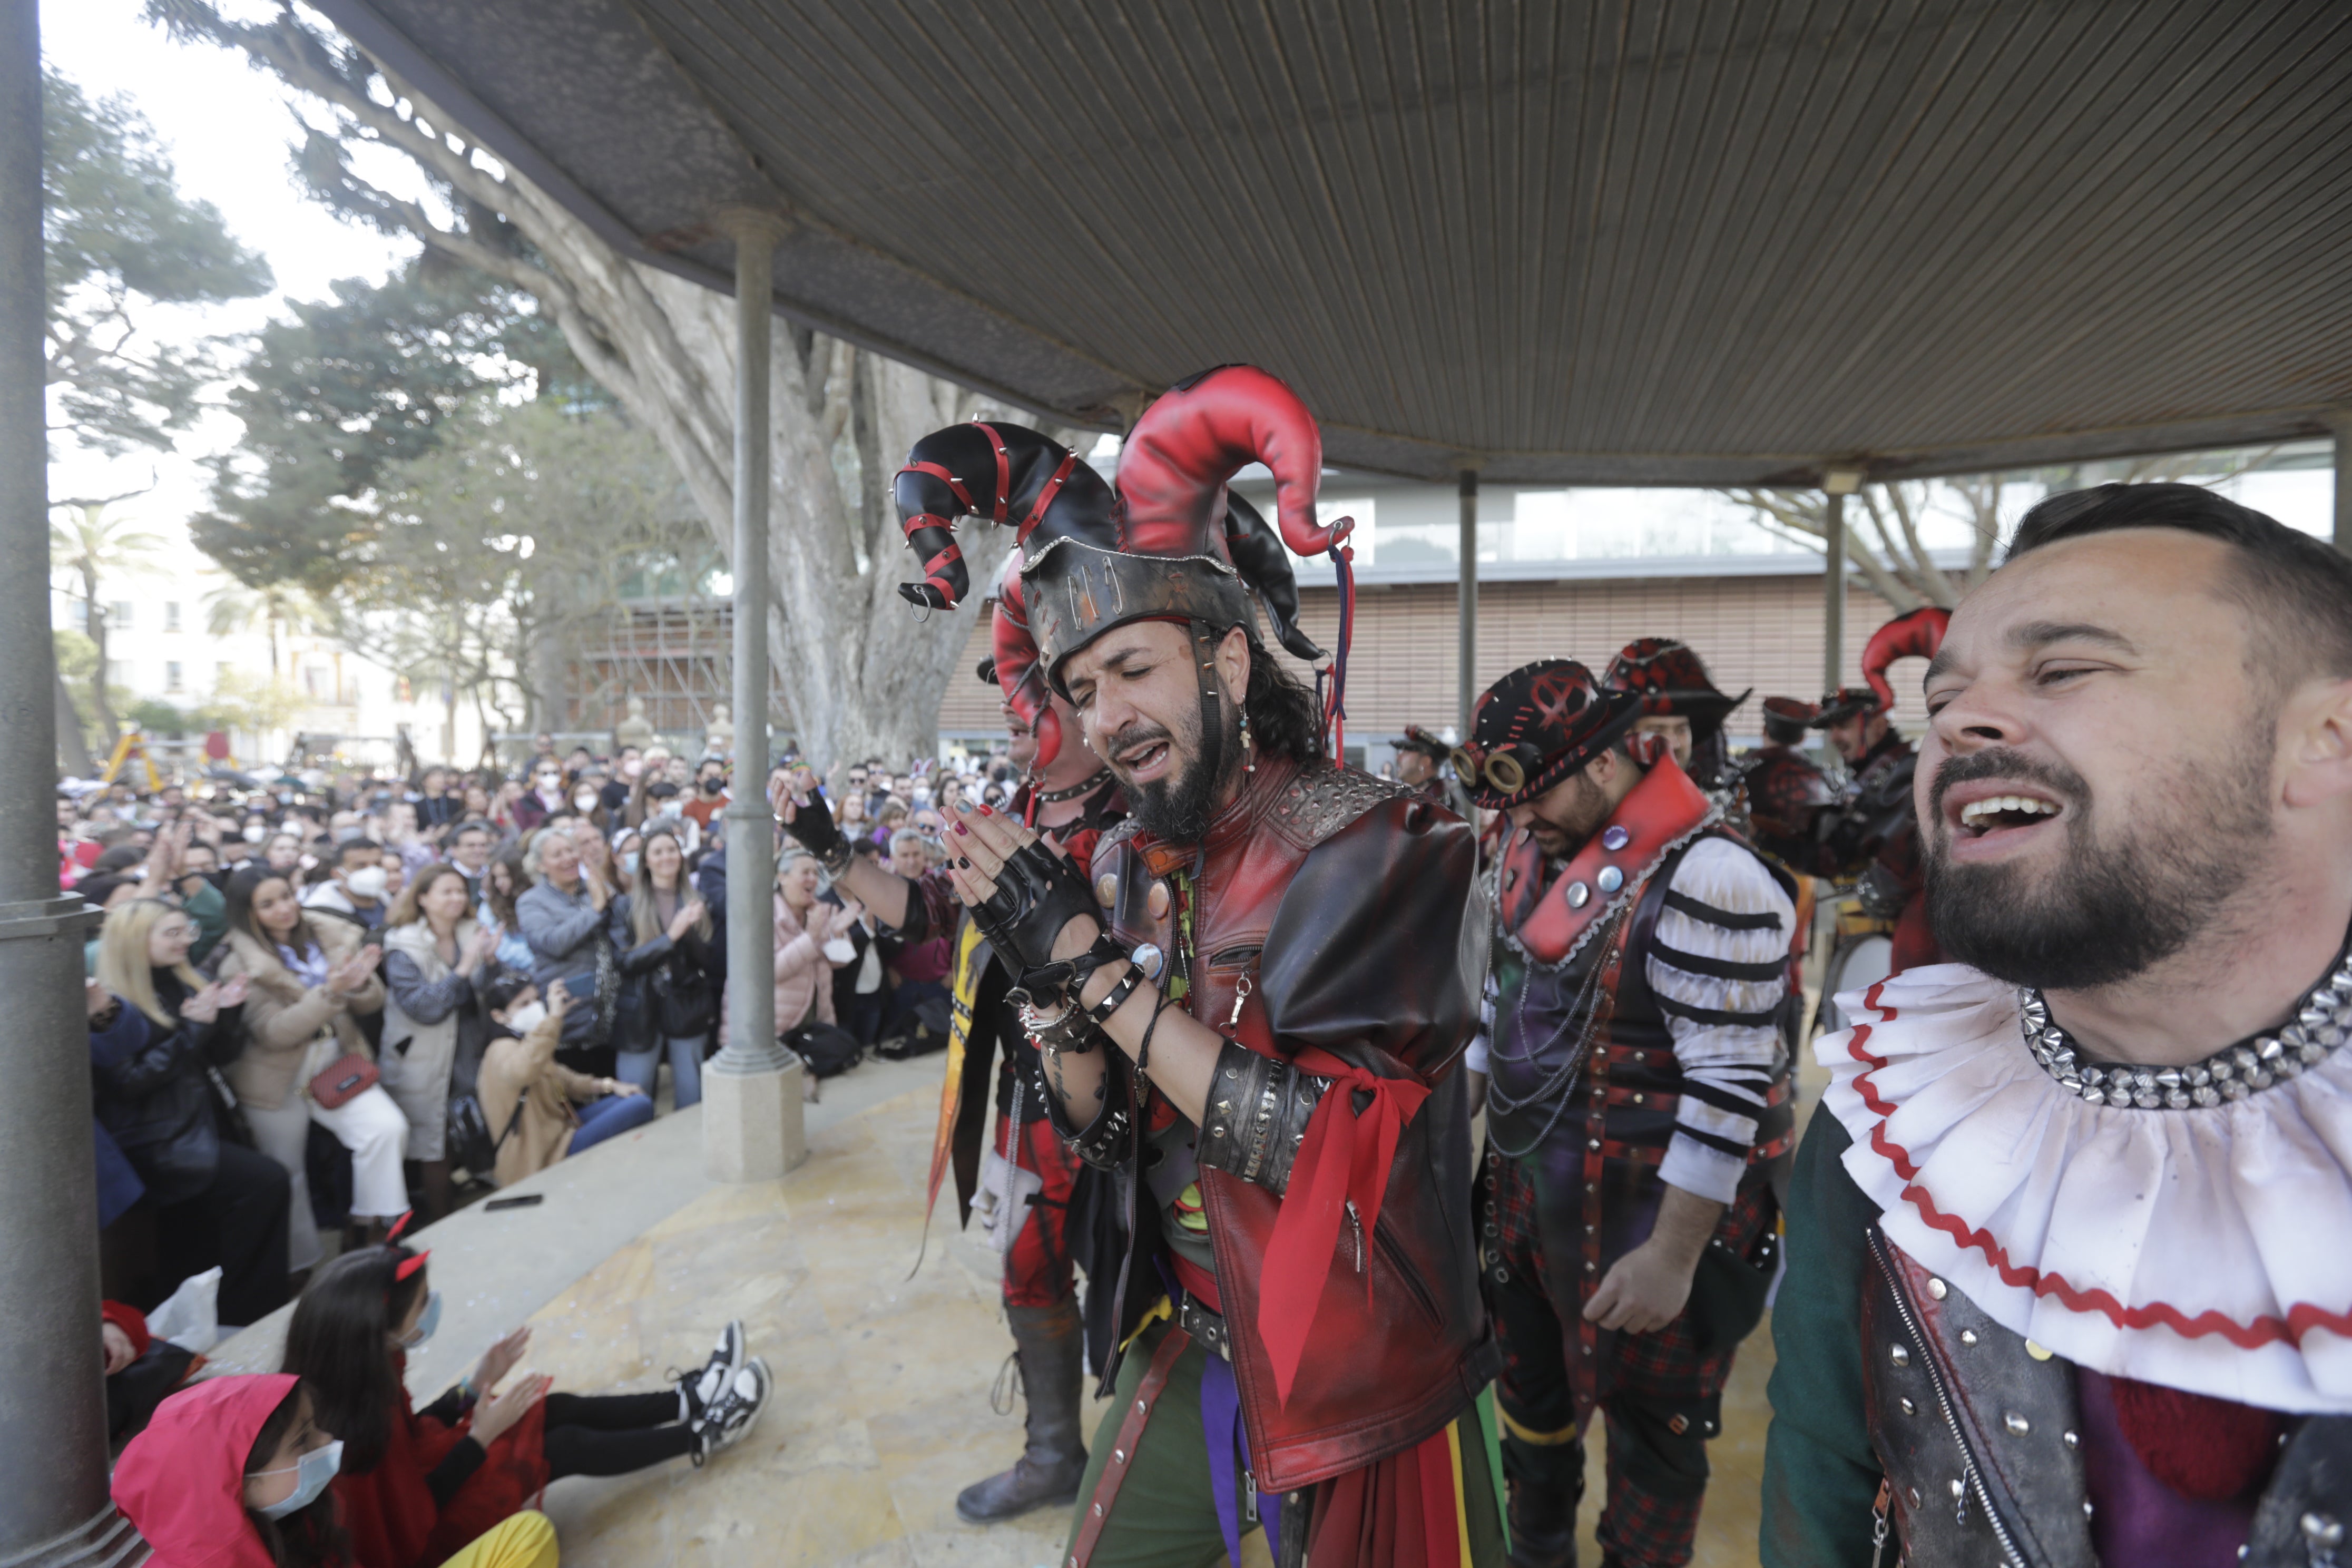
(1166,1514)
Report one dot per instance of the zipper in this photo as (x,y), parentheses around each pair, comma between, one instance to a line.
(1970,1474)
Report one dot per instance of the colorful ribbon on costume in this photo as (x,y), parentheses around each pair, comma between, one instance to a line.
(1343,1161)
(1335,706)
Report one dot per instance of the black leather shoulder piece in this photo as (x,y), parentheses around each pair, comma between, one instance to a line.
(1965,1420)
(2308,1508)
(1325,798)
(1378,950)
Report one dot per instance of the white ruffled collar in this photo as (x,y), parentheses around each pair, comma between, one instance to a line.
(2207,1248)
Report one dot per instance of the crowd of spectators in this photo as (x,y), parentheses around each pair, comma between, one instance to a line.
(319,1002)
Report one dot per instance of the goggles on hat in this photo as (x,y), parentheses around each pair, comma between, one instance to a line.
(1507,769)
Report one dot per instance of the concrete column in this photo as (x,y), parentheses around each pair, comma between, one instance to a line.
(53,1500)
(752,1090)
(1467,608)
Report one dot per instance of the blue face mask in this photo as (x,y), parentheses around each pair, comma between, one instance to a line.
(311,1474)
(629,863)
(425,1324)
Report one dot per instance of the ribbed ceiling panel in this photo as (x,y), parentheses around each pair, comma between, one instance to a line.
(1666,241)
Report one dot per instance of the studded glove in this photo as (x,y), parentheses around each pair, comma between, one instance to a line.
(814,828)
(1037,893)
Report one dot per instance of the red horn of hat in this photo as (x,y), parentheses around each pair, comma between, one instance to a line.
(1916,634)
(1173,467)
(1017,669)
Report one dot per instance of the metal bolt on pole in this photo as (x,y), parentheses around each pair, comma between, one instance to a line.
(54,1508)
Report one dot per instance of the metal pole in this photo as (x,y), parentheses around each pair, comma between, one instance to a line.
(1467,610)
(1833,586)
(750,1045)
(53,1497)
(2343,482)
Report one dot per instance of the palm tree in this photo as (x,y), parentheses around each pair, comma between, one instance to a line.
(84,541)
(273,607)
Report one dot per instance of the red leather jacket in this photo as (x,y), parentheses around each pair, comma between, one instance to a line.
(1350,905)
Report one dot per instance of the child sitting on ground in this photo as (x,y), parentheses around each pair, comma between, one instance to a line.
(236,1473)
(416,1484)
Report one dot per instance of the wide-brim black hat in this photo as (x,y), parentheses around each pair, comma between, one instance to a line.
(1670,678)
(1536,726)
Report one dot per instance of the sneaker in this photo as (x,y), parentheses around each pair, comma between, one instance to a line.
(729,1418)
(697,1390)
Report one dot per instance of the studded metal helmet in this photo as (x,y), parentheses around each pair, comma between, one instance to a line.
(1535,727)
(1671,679)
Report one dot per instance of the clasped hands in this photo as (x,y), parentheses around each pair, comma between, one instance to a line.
(1024,892)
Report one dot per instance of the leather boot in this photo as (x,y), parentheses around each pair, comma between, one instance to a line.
(1547,1484)
(1049,1342)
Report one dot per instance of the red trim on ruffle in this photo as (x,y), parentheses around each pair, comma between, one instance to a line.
(2300,1319)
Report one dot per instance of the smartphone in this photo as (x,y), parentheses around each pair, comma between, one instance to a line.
(520,1201)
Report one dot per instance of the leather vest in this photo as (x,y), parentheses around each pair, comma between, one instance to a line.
(1386,1366)
(1981,1433)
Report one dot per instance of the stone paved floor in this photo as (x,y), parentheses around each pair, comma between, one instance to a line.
(883,1380)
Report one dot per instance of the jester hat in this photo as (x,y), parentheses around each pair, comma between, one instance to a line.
(1171,542)
(1915,634)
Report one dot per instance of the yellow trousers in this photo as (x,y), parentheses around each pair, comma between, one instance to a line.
(525,1541)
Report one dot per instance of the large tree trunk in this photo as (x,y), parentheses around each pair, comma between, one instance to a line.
(860,674)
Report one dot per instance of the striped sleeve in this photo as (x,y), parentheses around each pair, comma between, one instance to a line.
(1720,967)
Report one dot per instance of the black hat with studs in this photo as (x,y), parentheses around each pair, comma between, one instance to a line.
(1536,726)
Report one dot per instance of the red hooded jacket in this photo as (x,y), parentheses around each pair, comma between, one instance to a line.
(181,1482)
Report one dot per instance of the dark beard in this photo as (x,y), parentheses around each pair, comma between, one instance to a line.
(1177,809)
(2117,904)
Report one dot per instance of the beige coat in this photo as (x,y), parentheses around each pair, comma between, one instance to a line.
(283,1016)
(510,1067)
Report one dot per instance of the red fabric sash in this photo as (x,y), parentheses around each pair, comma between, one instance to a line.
(1343,1159)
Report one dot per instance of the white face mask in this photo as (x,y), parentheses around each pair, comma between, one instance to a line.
(312,1472)
(255,833)
(524,1019)
(367,882)
(584,802)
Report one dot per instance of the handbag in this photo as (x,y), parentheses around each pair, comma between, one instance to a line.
(342,1080)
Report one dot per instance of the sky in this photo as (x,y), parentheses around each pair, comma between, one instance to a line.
(229,129)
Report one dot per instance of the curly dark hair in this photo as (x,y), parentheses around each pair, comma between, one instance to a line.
(1285,718)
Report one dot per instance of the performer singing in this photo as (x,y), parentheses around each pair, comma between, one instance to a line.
(1637,1108)
(1253,1013)
(1039,1205)
(2067,1278)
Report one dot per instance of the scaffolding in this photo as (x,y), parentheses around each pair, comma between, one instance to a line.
(675,652)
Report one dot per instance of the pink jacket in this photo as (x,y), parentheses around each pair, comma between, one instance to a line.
(803,974)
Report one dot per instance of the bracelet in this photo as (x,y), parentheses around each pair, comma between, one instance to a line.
(1143,1050)
(1099,1013)
(1068,1030)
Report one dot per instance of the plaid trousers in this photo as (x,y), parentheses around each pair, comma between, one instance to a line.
(1660,1394)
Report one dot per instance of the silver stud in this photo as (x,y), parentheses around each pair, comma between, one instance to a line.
(2260,1078)
(1615,838)
(2271,1050)
(1609,880)
(2234,1090)
(2290,1066)
(1938,1288)
(1908,1408)
(2086,1508)
(2017,1425)
(2147,1100)
(2198,1076)
(2314,1052)
(1579,895)
(2176,1098)
(1959,1486)
(2323,1530)
(2071,1439)
(1899,1354)
(2206,1094)
(1968,1336)
(1119,1456)
(2169,1079)
(2224,1069)
(1592,1142)
(2095,1096)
